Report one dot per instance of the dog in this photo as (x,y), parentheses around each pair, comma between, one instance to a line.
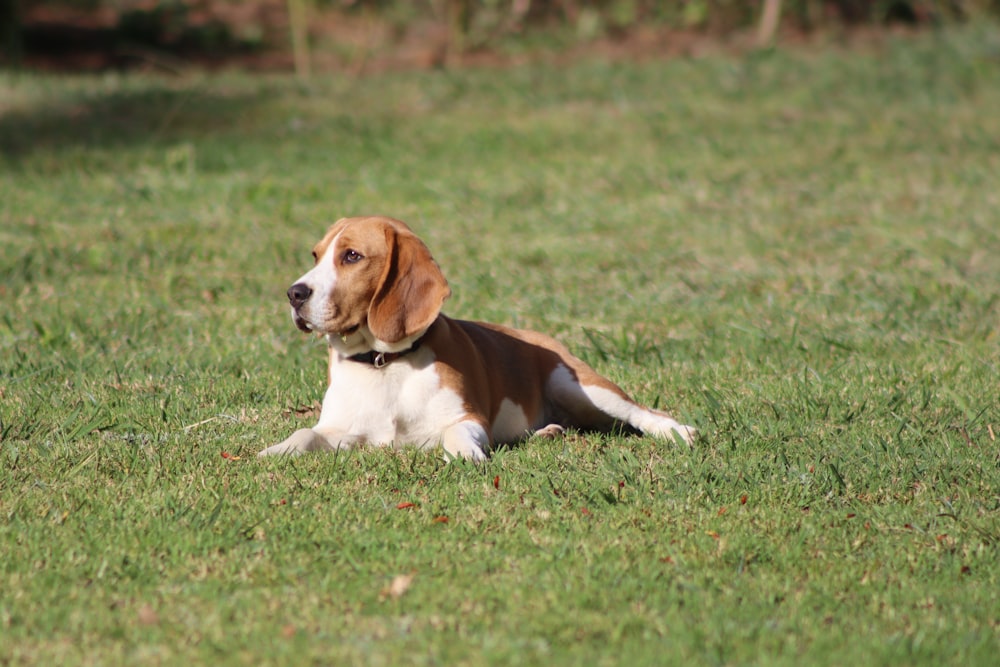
(401,372)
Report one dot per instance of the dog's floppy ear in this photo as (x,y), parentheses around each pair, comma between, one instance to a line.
(410,292)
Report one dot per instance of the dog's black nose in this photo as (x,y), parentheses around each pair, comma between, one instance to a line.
(298,294)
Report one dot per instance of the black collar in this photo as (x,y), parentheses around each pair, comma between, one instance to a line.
(382,359)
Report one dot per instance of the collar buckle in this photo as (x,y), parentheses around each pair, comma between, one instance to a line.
(382,359)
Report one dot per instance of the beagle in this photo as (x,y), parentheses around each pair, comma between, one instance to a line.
(402,373)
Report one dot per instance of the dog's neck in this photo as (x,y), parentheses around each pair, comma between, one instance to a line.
(382,359)
(361,346)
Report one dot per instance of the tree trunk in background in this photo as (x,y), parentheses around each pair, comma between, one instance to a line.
(459,20)
(298,20)
(769,20)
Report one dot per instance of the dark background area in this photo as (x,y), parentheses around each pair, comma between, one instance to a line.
(377,34)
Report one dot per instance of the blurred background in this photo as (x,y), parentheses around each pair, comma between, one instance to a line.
(373,35)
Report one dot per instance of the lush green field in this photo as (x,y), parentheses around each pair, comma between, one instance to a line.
(799,253)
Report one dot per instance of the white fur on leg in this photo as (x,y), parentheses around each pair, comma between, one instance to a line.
(650,422)
(302,441)
(665,427)
(465,440)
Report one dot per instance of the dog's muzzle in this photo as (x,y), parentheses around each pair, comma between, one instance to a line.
(297,295)
(300,322)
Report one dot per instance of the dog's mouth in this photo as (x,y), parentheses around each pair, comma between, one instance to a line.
(301,323)
(304,325)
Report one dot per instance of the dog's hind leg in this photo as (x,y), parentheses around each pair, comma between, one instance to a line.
(550,432)
(601,405)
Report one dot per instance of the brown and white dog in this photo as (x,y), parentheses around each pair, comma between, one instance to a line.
(403,373)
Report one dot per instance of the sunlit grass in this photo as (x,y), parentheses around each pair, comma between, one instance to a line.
(796,252)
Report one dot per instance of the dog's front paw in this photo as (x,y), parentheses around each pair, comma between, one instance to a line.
(472,453)
(465,440)
(302,441)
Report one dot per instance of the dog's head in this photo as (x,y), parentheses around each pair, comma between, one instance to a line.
(375,286)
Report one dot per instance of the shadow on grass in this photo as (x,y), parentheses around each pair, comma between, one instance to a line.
(150,113)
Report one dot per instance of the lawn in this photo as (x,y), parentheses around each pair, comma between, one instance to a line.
(798,252)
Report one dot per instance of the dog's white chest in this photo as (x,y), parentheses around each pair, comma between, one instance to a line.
(401,403)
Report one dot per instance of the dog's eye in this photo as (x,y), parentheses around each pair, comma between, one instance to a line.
(352,257)
(315,256)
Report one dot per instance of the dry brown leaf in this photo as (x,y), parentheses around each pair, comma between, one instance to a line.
(397,587)
(147,615)
(304,411)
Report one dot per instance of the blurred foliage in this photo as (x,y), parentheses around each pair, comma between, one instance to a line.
(225,26)
(172,26)
(719,15)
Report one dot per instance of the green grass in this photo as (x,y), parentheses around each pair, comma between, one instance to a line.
(797,252)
